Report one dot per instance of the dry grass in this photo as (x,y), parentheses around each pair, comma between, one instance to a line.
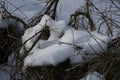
(9,37)
(108,64)
(62,71)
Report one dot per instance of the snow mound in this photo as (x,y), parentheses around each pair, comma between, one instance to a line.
(57,28)
(63,43)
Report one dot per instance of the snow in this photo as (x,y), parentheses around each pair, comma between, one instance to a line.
(68,7)
(31,32)
(25,9)
(116,33)
(65,47)
(52,55)
(73,36)
(56,29)
(45,43)
(35,29)
(0,17)
(93,76)
(4,73)
(93,44)
(96,44)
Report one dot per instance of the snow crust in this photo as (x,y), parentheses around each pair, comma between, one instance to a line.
(91,43)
